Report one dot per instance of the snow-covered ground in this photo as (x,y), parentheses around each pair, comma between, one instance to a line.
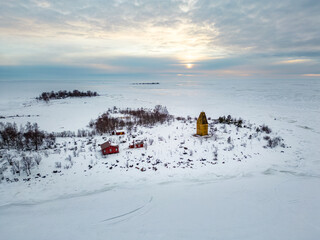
(247,192)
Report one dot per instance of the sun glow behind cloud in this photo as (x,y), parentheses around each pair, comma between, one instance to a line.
(189,65)
(86,40)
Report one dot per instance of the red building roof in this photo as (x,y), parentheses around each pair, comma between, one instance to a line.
(105,145)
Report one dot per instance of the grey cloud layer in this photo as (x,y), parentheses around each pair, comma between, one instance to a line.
(249,30)
(258,24)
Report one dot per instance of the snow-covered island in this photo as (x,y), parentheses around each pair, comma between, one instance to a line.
(167,143)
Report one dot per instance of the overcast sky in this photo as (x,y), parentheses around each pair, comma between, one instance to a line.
(178,38)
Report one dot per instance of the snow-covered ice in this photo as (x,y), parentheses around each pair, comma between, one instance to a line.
(269,194)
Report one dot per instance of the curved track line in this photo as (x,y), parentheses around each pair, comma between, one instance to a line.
(128,213)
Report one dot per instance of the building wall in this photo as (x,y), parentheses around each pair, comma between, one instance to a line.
(202,129)
(110,150)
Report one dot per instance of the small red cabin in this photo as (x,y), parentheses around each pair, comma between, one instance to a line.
(136,144)
(118,132)
(107,148)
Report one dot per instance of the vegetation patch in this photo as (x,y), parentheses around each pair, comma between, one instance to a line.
(46,96)
(28,137)
(230,120)
(130,118)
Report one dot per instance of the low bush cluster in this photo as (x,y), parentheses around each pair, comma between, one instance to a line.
(264,128)
(274,142)
(230,120)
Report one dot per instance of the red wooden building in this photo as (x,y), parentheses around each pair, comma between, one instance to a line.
(138,144)
(118,132)
(107,148)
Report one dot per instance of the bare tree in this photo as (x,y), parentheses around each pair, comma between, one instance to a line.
(38,136)
(9,158)
(17,166)
(2,169)
(27,163)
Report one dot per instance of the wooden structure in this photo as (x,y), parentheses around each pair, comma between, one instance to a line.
(202,125)
(107,148)
(138,144)
(118,132)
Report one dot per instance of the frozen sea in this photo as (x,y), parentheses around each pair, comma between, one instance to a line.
(280,202)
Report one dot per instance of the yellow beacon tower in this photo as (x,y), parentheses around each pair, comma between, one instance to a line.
(202,125)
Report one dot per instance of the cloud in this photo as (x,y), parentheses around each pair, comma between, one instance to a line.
(295,61)
(242,25)
(311,75)
(148,35)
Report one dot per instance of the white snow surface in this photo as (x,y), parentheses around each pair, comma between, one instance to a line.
(249,192)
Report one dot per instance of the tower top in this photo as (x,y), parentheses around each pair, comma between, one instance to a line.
(202,119)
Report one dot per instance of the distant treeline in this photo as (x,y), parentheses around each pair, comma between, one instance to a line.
(28,137)
(143,117)
(146,83)
(46,96)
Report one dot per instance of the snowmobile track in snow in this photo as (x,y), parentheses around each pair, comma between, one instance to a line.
(128,213)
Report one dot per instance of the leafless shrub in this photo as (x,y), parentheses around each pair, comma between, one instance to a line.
(231,147)
(37,159)
(46,154)
(190,152)
(274,142)
(266,129)
(214,136)
(67,166)
(215,154)
(69,159)
(266,138)
(1,174)
(58,164)
(58,151)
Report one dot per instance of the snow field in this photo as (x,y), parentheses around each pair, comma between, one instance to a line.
(268,195)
